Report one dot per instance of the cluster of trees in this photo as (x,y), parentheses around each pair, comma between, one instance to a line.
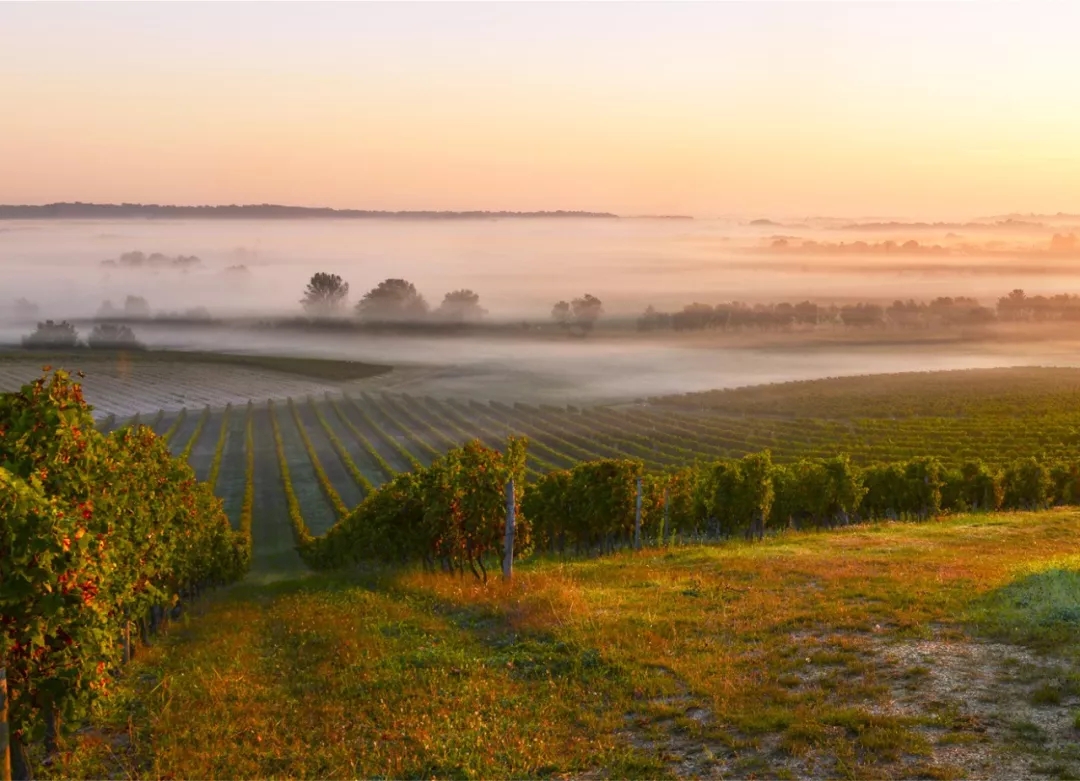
(941,311)
(578,316)
(133,307)
(137,259)
(51,335)
(398,301)
(87,551)
(910,247)
(391,301)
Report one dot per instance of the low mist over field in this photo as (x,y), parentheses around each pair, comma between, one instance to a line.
(520,268)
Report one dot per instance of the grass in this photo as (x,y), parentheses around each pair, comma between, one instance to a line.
(312,368)
(599,664)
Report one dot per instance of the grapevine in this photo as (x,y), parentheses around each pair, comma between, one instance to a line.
(185,454)
(327,487)
(219,450)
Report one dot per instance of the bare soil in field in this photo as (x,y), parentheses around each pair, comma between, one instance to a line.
(976,709)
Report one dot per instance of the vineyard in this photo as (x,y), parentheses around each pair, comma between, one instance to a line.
(314,458)
(317,482)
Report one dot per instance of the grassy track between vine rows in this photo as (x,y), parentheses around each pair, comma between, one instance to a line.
(935,650)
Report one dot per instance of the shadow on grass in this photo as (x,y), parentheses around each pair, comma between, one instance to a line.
(528,655)
(1041,609)
(466,645)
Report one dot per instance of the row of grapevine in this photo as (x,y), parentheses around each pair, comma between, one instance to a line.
(385,467)
(171,431)
(369,421)
(296,518)
(219,450)
(342,452)
(551,458)
(327,487)
(606,503)
(185,454)
(450,513)
(96,532)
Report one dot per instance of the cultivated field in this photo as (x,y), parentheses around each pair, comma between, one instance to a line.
(945,649)
(339,447)
(126,383)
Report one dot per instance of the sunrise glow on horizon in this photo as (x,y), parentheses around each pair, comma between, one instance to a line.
(923,110)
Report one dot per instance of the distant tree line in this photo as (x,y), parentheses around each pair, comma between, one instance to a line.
(1060,243)
(78,210)
(397,301)
(138,259)
(109,331)
(1017,306)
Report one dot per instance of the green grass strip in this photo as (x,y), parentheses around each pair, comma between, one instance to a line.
(157,419)
(365,443)
(168,435)
(327,487)
(186,452)
(219,451)
(300,530)
(358,477)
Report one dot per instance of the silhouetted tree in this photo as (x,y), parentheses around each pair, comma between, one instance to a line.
(652,320)
(693,317)
(136,306)
(325,294)
(561,314)
(111,335)
(461,306)
(50,334)
(587,311)
(393,300)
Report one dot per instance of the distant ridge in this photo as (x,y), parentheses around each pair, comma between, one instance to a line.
(264,211)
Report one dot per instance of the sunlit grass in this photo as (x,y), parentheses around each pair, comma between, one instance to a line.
(419,674)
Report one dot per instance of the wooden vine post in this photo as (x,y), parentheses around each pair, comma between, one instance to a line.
(508,550)
(5,733)
(664,531)
(637,518)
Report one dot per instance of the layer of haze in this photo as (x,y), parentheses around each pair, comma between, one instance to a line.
(924,110)
(519,267)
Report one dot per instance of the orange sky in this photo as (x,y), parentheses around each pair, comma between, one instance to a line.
(922,109)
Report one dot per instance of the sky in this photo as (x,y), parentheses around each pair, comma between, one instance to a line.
(916,109)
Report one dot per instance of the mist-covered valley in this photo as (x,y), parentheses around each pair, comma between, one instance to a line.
(240,273)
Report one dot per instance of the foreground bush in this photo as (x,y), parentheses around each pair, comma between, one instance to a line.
(96,532)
